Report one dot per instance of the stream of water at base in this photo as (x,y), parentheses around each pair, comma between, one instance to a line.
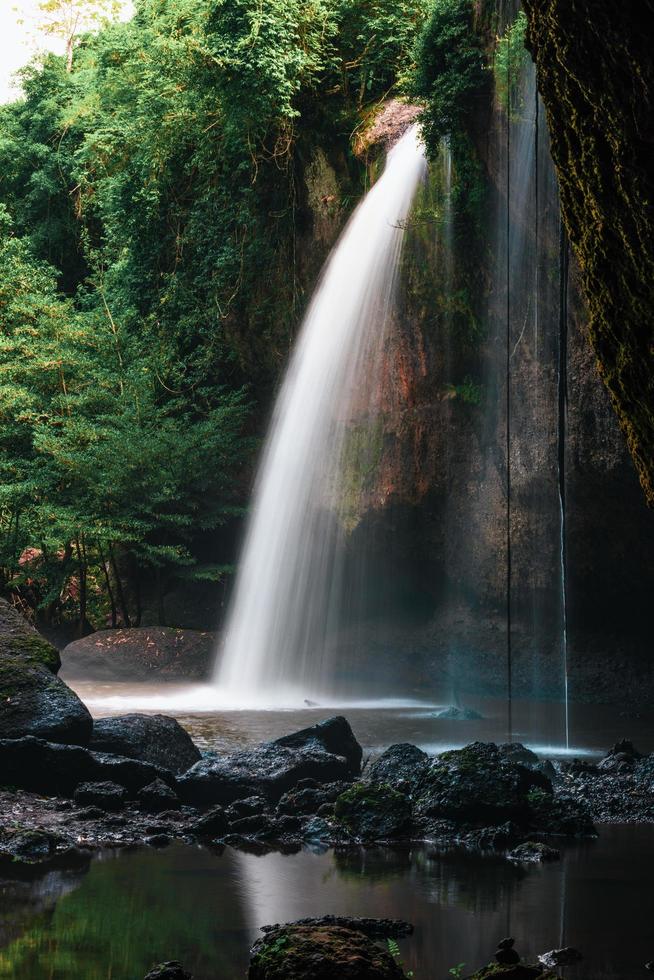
(129,910)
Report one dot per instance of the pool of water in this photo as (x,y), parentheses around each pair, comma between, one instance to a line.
(539,724)
(130,909)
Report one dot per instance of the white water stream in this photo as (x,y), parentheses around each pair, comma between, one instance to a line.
(278,644)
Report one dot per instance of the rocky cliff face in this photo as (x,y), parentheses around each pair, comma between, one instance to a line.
(596,77)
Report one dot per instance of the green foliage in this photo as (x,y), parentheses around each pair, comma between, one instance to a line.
(469,391)
(511,56)
(153,191)
(394,949)
(449,72)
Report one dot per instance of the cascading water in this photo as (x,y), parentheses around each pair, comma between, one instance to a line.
(288,588)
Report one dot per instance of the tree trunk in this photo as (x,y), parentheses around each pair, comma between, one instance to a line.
(110,591)
(119,588)
(81,564)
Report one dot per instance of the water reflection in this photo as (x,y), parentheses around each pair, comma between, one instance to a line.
(134,908)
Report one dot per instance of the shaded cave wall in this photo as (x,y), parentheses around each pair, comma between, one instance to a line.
(596,77)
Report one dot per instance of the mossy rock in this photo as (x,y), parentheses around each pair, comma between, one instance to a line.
(517,971)
(478,785)
(373,812)
(19,640)
(34,701)
(297,952)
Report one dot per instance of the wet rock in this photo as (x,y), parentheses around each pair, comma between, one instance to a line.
(560,957)
(517,752)
(47,767)
(213,823)
(157,739)
(561,814)
(401,765)
(246,807)
(91,813)
(157,840)
(156,797)
(317,830)
(268,770)
(106,795)
(477,784)
(507,956)
(305,802)
(30,846)
(257,825)
(454,713)
(171,970)
(517,971)
(375,928)
(305,952)
(333,736)
(34,700)
(373,812)
(621,758)
(534,852)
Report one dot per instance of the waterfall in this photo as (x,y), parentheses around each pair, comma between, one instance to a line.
(288,592)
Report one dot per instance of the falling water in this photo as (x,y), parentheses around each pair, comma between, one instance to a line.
(288,588)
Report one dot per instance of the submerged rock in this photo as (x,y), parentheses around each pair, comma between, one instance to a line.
(171,970)
(273,768)
(34,700)
(534,852)
(454,713)
(47,767)
(320,952)
(150,738)
(373,812)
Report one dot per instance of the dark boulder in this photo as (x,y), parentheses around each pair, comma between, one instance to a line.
(268,770)
(512,971)
(157,797)
(47,767)
(562,815)
(246,807)
(333,735)
(34,701)
(374,928)
(477,785)
(172,970)
(304,802)
(534,852)
(140,653)
(297,952)
(105,795)
(373,812)
(560,957)
(402,766)
(29,846)
(213,823)
(150,738)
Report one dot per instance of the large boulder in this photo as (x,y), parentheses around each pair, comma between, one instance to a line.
(478,785)
(33,700)
(333,735)
(373,812)
(46,767)
(402,765)
(314,952)
(151,738)
(140,653)
(268,770)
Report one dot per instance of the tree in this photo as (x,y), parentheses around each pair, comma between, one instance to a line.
(67,19)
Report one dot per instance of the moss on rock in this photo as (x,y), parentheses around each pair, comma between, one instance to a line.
(296,952)
(596,77)
(373,811)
